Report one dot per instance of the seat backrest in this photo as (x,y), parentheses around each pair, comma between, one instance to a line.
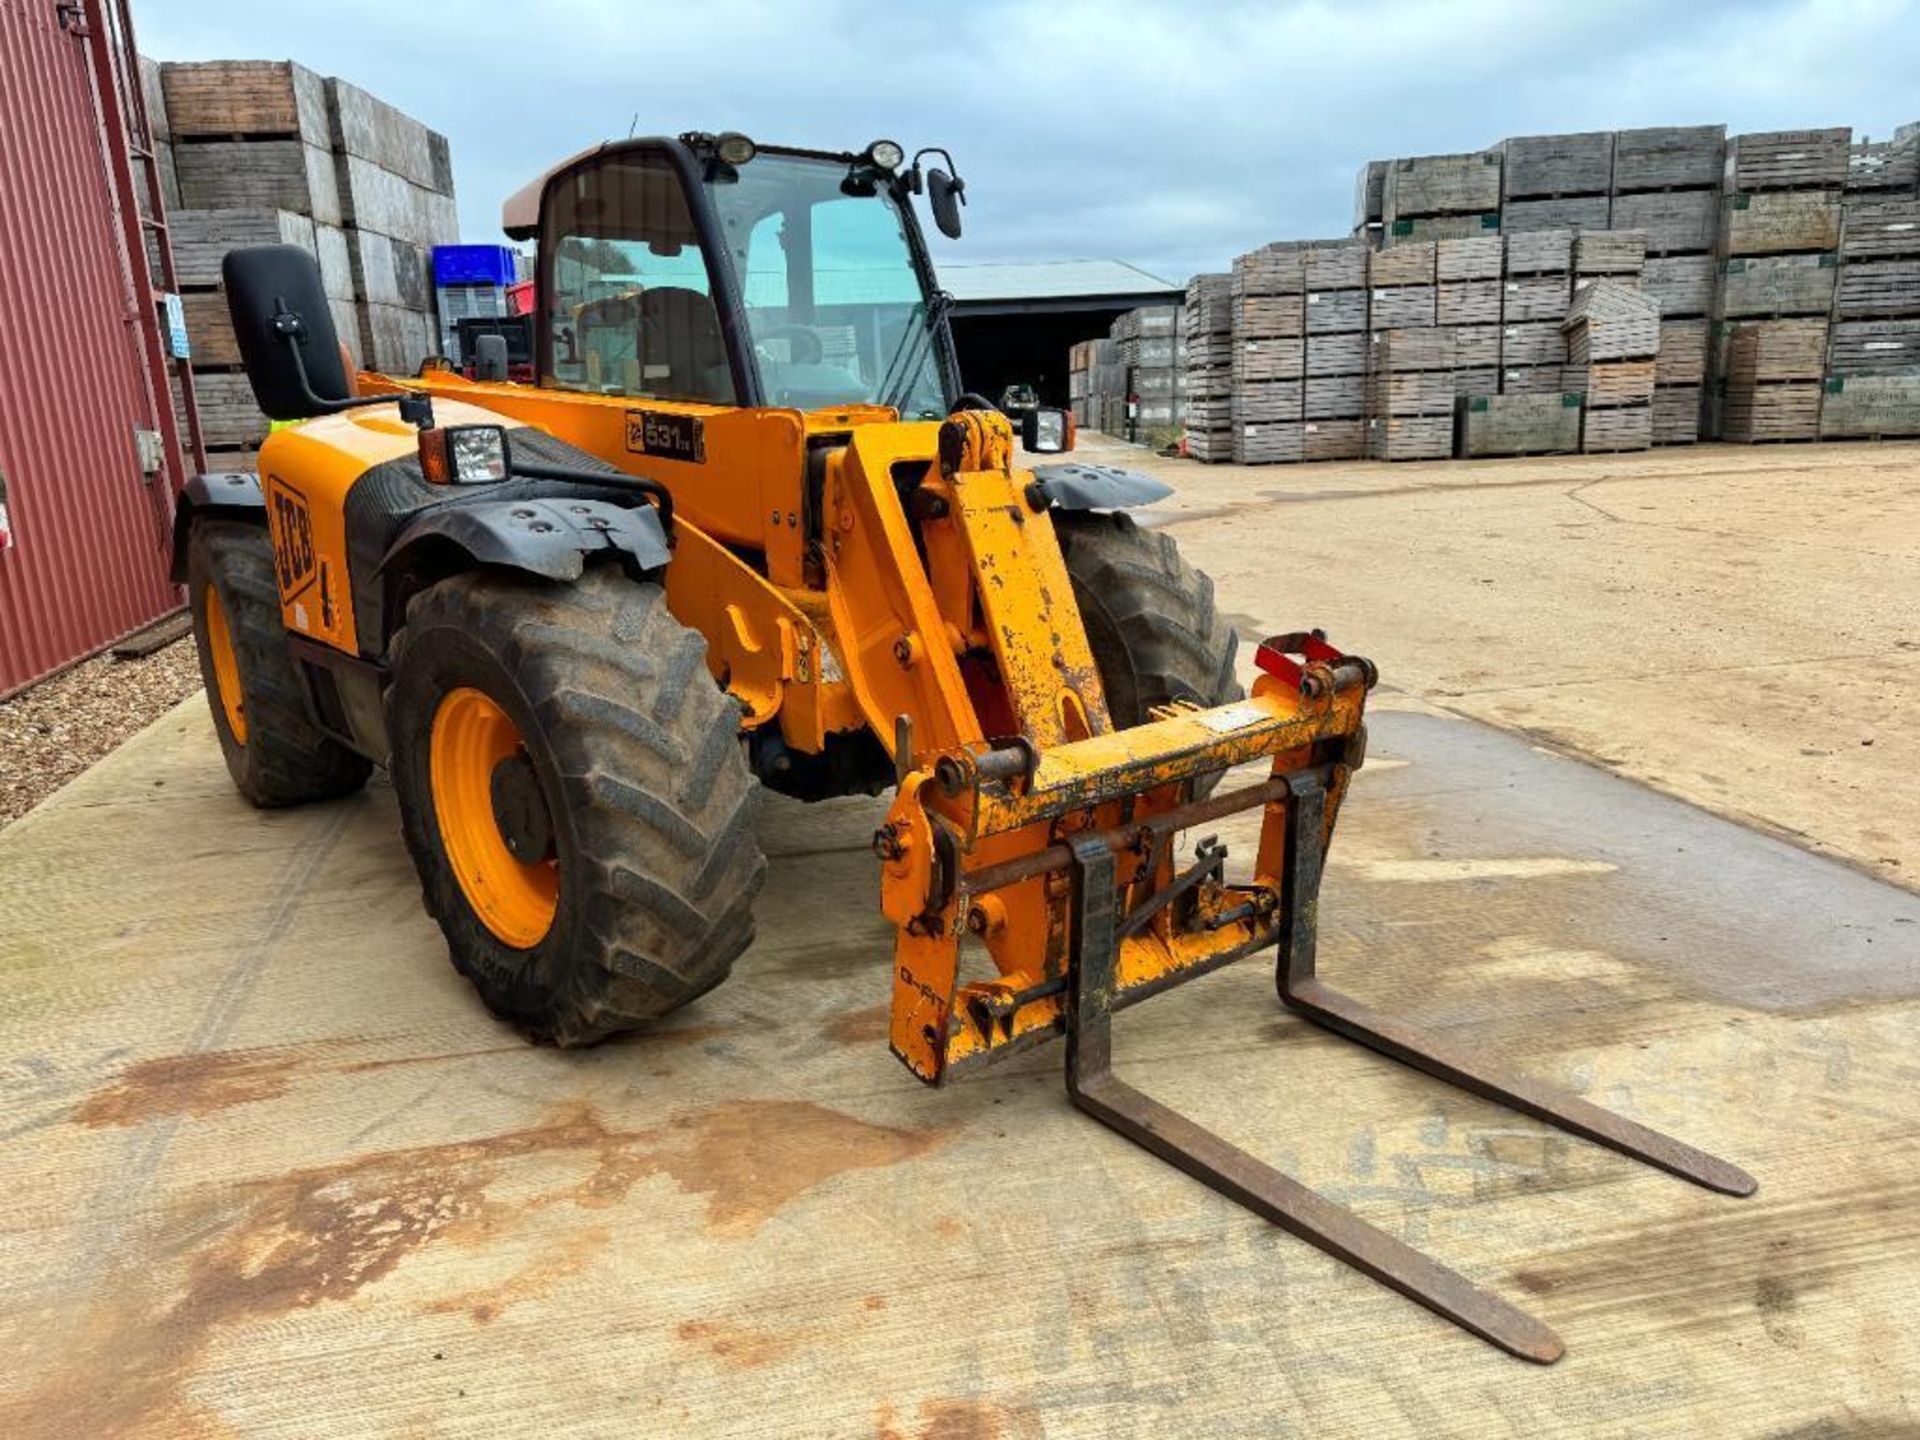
(683,354)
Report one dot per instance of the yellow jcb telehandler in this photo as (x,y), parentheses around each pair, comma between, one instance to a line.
(747,528)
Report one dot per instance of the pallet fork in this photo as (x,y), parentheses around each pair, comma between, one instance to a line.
(1099,832)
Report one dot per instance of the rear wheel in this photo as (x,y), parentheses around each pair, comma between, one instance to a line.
(274,751)
(1149,615)
(575,797)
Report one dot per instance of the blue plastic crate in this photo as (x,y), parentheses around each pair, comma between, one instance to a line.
(473,265)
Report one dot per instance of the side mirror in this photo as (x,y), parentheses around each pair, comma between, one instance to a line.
(946,194)
(490,357)
(285,331)
(1047,432)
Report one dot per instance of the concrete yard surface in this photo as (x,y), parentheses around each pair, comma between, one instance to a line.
(271,1170)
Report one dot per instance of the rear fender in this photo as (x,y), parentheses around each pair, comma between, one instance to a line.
(1077,486)
(230,495)
(549,538)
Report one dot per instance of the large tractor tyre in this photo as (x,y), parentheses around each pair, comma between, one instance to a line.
(275,753)
(1149,615)
(576,798)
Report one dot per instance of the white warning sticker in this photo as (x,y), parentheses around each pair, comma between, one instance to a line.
(1229,718)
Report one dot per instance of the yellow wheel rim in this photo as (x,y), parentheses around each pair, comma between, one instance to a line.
(471,735)
(226,666)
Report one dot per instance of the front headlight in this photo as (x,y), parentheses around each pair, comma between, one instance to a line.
(1047,432)
(463,455)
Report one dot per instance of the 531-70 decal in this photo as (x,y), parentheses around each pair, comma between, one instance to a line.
(667,435)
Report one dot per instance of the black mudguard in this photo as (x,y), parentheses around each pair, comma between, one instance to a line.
(233,494)
(550,538)
(1075,486)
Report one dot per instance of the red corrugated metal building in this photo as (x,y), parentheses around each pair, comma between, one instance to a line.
(89,446)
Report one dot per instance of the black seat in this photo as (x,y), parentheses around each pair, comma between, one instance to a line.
(683,354)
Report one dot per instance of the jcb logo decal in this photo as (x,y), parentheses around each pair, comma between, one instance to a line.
(292,538)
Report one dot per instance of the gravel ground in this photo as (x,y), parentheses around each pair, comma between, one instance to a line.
(55,730)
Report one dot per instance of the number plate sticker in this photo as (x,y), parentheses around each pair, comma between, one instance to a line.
(667,435)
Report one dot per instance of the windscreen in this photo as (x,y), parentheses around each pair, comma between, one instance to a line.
(834,304)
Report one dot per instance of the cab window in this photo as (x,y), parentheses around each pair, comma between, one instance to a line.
(630,301)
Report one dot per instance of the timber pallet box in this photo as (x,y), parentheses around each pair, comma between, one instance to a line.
(1609,252)
(1788,160)
(1880,407)
(1267,400)
(1369,195)
(1477,347)
(1526,217)
(1609,384)
(1780,222)
(231,99)
(1672,157)
(1468,302)
(1258,317)
(1530,345)
(1768,351)
(229,418)
(1402,265)
(1616,431)
(1344,354)
(1278,443)
(1438,229)
(1474,259)
(258,174)
(1407,351)
(1460,184)
(1270,272)
(1610,321)
(1535,297)
(1283,359)
(1878,290)
(1410,437)
(1884,166)
(387,271)
(1336,312)
(1533,380)
(1483,380)
(1676,414)
(1334,397)
(1503,425)
(1872,347)
(1764,286)
(1675,222)
(359,124)
(1415,392)
(1539,166)
(1778,412)
(1682,357)
(1540,252)
(1680,284)
(1333,439)
(1340,266)
(1877,227)
(1403,307)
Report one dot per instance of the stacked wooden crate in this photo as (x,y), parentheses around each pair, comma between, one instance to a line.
(1779,255)
(1079,383)
(1269,354)
(1773,379)
(1440,197)
(396,204)
(1613,335)
(1534,297)
(1107,387)
(1146,352)
(1208,321)
(1369,203)
(1498,425)
(1468,298)
(1410,394)
(1873,367)
(1556,182)
(267,152)
(1334,394)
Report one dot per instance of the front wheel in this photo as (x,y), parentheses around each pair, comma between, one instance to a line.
(575,796)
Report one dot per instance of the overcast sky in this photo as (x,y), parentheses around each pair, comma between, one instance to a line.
(1173,135)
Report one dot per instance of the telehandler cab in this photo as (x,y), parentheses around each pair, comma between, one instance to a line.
(747,529)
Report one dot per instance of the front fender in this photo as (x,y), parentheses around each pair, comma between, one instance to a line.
(233,493)
(550,538)
(1078,486)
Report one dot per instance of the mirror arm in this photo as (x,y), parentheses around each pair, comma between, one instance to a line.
(287,326)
